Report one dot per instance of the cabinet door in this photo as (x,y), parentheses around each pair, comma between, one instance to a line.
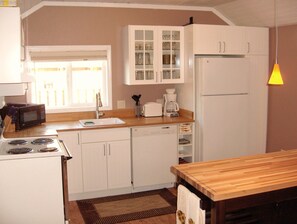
(142,54)
(74,166)
(156,55)
(206,39)
(10,45)
(218,40)
(257,40)
(171,60)
(119,164)
(94,166)
(232,40)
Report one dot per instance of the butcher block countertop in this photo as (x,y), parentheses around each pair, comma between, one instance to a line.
(52,128)
(242,176)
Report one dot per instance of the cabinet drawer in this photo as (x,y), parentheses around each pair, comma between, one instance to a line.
(105,135)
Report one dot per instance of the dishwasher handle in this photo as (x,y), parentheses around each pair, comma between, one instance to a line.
(154,130)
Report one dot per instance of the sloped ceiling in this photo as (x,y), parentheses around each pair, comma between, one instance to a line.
(239,12)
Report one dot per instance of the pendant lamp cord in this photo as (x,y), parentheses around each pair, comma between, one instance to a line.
(276,33)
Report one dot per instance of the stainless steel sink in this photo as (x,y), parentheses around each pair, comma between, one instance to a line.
(101,122)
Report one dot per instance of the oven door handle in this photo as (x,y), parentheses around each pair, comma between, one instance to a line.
(68,156)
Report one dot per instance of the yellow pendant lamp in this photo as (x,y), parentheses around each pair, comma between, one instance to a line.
(276,77)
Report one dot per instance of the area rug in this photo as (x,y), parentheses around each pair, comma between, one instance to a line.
(124,208)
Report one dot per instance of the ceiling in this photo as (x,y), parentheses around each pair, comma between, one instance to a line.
(239,12)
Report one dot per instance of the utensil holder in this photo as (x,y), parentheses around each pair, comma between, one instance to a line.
(138,110)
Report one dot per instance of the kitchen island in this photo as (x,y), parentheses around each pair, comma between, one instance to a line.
(238,183)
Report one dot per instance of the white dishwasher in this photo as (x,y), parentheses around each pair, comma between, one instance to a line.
(154,151)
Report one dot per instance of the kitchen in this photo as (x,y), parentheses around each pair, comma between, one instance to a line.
(60,30)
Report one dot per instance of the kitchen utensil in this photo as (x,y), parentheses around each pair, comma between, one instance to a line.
(136,98)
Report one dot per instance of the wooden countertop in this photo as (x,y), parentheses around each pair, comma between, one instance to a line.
(51,128)
(242,176)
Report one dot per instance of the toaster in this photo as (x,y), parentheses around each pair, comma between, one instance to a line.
(152,109)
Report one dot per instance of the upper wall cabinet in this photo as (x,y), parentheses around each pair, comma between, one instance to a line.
(218,40)
(257,40)
(153,55)
(10,45)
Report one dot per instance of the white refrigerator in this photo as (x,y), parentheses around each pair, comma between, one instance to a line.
(221,107)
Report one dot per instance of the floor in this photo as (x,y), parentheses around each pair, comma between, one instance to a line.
(76,218)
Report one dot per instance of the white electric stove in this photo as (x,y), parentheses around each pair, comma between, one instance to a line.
(33,174)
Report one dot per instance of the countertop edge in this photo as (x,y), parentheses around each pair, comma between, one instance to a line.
(52,128)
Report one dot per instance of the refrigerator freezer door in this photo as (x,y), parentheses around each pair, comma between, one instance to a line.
(224,127)
(224,76)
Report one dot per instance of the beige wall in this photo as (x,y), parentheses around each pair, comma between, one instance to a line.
(282,103)
(83,25)
(94,26)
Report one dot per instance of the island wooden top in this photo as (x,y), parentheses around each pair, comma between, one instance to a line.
(52,128)
(242,176)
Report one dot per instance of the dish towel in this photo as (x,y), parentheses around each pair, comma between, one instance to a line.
(195,215)
(182,204)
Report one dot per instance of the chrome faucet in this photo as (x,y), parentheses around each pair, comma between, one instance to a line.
(98,105)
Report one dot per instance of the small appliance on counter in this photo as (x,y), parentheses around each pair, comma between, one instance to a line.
(24,115)
(171,107)
(152,109)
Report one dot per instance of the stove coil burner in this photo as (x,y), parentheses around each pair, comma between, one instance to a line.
(22,150)
(42,141)
(48,149)
(18,142)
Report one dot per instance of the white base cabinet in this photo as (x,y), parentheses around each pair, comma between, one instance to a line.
(106,165)
(74,165)
(101,163)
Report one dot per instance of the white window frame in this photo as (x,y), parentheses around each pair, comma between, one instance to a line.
(72,48)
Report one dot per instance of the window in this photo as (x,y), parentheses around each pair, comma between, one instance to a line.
(67,78)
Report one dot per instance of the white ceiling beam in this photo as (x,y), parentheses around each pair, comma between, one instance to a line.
(123,5)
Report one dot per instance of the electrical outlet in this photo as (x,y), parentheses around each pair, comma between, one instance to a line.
(121,104)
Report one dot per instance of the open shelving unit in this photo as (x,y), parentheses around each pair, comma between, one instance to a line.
(185,143)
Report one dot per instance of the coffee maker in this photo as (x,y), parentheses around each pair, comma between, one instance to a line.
(171,107)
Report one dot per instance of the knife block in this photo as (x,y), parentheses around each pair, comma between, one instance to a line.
(8,126)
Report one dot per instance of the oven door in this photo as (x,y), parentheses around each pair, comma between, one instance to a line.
(65,158)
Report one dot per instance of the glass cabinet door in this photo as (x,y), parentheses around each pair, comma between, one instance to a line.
(171,53)
(144,55)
